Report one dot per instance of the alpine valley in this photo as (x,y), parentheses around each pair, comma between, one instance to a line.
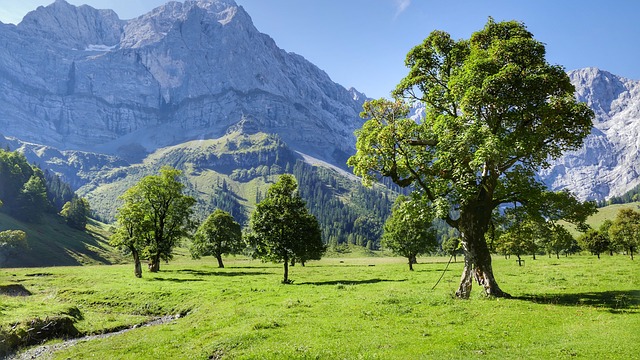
(103,102)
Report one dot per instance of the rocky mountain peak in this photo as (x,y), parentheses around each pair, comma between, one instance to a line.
(608,164)
(600,89)
(73,27)
(82,79)
(172,17)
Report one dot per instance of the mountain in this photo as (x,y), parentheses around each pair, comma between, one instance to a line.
(77,78)
(103,102)
(608,163)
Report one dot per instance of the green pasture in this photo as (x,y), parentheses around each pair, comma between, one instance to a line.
(340,308)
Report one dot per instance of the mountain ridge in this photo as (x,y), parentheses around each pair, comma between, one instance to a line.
(608,164)
(180,72)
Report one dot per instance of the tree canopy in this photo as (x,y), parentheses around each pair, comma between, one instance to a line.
(408,231)
(495,111)
(22,187)
(154,217)
(282,229)
(218,235)
(624,231)
(75,212)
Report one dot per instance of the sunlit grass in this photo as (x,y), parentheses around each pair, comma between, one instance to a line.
(343,308)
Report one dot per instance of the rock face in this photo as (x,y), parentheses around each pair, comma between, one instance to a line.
(77,78)
(608,164)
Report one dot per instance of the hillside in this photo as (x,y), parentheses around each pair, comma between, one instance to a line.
(234,172)
(52,243)
(609,213)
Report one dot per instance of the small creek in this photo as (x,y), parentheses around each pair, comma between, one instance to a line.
(43,352)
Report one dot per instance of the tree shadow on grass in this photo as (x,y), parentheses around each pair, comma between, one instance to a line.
(219,273)
(613,301)
(176,280)
(348,282)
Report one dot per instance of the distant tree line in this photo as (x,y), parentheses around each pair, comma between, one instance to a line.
(632,195)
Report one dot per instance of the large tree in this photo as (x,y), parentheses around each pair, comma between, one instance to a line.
(408,231)
(220,234)
(155,216)
(495,111)
(282,229)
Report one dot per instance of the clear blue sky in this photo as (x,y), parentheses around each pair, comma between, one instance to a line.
(362,43)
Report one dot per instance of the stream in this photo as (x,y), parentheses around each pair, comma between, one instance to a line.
(46,351)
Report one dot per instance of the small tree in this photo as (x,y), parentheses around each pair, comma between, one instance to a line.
(131,231)
(32,200)
(13,239)
(594,241)
(10,240)
(76,212)
(282,228)
(218,235)
(560,240)
(625,230)
(517,240)
(155,216)
(452,247)
(408,230)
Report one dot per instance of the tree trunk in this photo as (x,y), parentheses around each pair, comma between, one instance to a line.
(519,260)
(219,258)
(154,263)
(137,269)
(454,258)
(473,224)
(631,252)
(286,271)
(410,263)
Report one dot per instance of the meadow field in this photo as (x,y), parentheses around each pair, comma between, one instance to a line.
(338,308)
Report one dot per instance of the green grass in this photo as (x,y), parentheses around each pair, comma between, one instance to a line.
(52,243)
(342,308)
(609,213)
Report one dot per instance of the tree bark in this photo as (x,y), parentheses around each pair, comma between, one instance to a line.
(473,224)
(286,271)
(219,258)
(410,263)
(154,263)
(137,269)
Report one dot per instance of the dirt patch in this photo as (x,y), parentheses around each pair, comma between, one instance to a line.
(14,290)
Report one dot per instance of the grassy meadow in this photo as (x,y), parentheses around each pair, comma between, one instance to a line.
(340,308)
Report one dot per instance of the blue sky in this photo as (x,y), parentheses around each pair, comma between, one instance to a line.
(363,43)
